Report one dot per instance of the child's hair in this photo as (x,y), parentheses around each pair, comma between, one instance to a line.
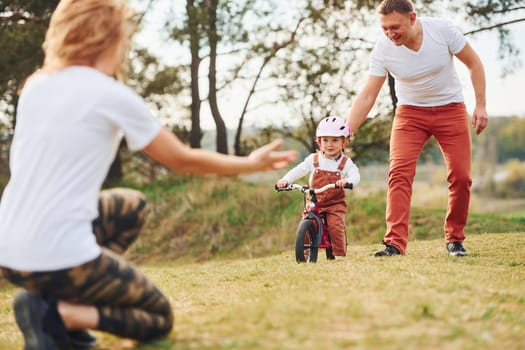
(81,30)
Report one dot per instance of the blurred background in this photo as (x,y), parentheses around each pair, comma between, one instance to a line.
(232,75)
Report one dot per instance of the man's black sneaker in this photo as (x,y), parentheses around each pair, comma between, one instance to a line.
(456,249)
(388,251)
(29,312)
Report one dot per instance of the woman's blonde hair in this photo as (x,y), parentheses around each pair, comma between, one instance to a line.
(80,31)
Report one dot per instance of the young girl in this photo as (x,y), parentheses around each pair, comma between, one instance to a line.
(330,165)
(71,117)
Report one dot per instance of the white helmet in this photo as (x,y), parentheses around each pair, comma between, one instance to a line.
(332,126)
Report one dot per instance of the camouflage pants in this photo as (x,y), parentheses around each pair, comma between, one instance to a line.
(129,305)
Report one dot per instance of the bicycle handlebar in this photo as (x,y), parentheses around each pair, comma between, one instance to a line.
(304,188)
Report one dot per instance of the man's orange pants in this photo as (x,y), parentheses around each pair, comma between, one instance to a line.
(412,127)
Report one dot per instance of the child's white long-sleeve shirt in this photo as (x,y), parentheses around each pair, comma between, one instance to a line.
(350,172)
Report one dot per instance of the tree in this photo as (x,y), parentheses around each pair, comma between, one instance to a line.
(272,53)
(499,15)
(22,29)
(194,34)
(316,74)
(511,141)
(309,58)
(23,24)
(211,29)
(213,39)
(157,84)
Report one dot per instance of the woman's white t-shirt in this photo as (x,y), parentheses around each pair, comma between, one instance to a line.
(68,129)
(427,77)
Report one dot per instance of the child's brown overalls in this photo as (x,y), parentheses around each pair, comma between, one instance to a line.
(333,203)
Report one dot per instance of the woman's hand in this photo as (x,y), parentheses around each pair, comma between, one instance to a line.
(268,158)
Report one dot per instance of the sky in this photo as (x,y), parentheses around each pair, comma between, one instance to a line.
(504,95)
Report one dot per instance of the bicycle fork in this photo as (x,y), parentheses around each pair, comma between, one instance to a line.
(317,219)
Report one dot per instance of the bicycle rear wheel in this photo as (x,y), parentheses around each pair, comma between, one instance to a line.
(305,249)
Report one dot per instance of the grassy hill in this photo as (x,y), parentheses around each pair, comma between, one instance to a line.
(222,250)
(198,219)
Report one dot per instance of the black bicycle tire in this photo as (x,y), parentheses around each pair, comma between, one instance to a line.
(305,230)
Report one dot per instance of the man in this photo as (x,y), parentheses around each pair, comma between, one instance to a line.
(418,53)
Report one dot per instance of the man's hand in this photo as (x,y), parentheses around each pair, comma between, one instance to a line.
(479,119)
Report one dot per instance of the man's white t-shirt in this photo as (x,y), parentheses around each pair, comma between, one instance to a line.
(68,129)
(427,77)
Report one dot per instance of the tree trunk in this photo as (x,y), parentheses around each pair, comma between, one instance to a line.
(272,54)
(393,96)
(237,144)
(195,133)
(222,136)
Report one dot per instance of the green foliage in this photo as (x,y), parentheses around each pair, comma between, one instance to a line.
(371,142)
(22,30)
(491,14)
(513,184)
(149,77)
(511,140)
(315,73)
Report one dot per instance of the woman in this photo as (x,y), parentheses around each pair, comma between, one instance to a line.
(70,119)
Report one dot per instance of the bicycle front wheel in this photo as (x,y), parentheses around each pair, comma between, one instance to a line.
(305,249)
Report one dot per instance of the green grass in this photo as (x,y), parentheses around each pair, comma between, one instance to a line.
(424,300)
(222,250)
